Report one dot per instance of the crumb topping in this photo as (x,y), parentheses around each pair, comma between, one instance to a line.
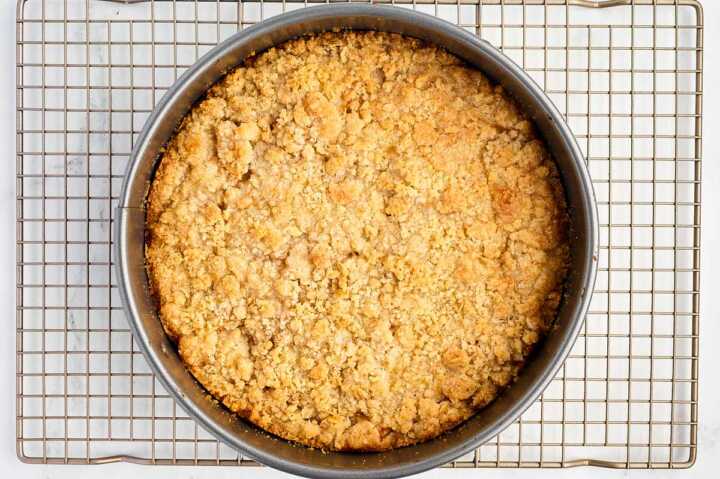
(355,240)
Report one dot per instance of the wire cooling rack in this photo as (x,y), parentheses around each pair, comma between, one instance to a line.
(626,75)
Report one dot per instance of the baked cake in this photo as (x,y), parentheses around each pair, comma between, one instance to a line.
(355,240)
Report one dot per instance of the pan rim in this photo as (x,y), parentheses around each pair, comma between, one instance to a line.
(193,74)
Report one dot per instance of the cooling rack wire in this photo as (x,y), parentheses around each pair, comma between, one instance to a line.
(626,74)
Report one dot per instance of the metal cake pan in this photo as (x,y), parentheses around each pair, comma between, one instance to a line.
(161,353)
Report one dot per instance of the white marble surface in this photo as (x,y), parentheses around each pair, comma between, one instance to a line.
(709,410)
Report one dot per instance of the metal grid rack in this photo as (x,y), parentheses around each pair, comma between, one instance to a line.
(626,74)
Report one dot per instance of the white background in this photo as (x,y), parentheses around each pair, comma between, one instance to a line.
(708,460)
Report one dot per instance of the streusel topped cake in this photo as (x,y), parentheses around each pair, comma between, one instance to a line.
(355,240)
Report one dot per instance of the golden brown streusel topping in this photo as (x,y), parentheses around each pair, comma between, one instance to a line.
(355,240)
